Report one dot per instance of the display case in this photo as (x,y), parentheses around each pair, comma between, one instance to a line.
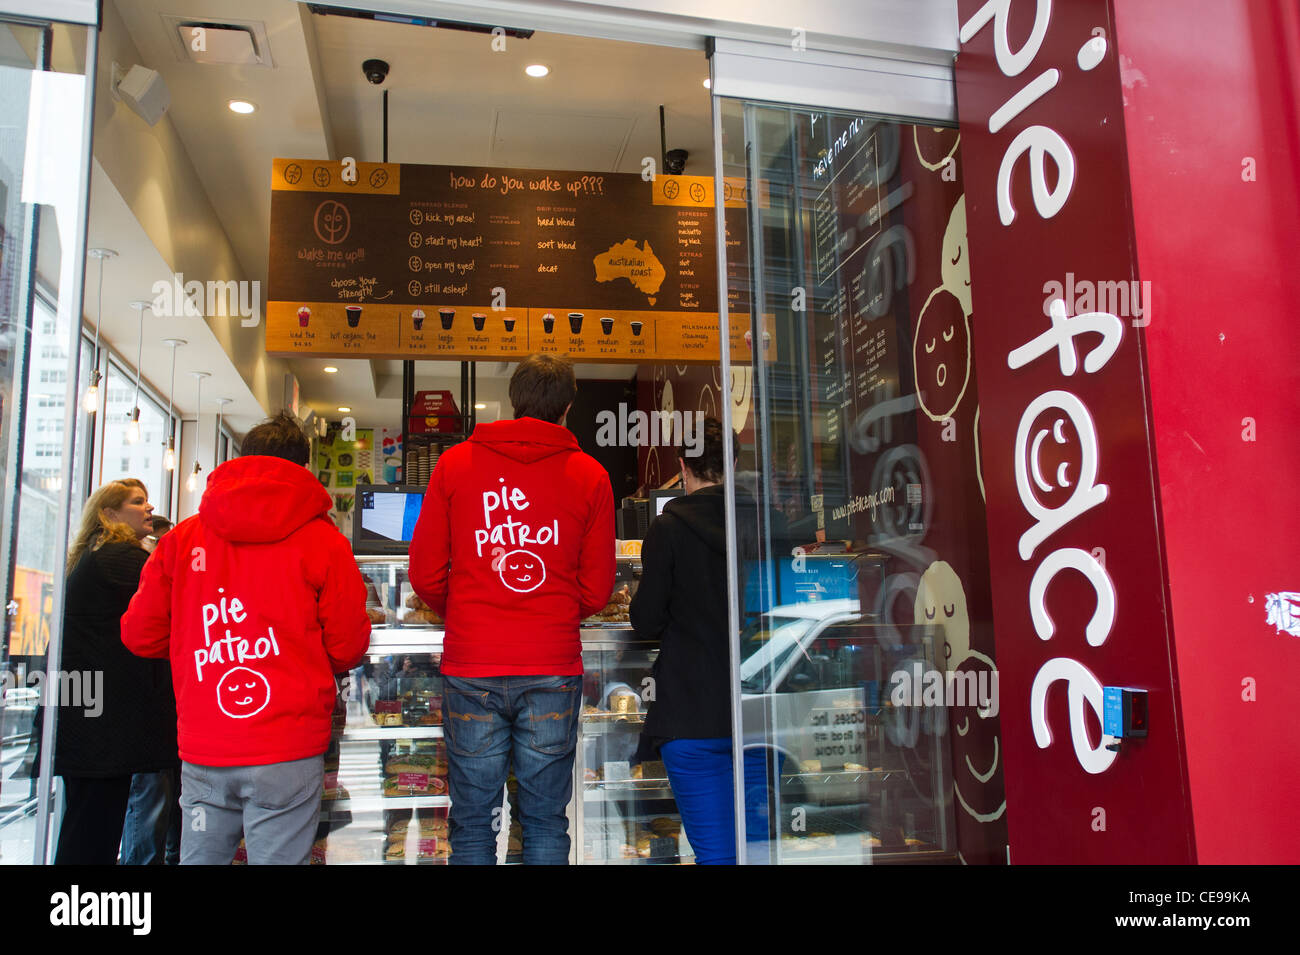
(386,796)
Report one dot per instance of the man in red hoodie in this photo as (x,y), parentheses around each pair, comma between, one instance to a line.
(514,547)
(258,602)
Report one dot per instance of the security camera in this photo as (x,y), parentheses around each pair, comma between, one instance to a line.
(675,161)
(376,71)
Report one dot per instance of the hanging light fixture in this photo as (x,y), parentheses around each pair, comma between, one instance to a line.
(90,400)
(192,482)
(216,445)
(169,458)
(133,425)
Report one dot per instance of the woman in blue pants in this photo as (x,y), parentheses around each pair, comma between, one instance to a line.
(682,603)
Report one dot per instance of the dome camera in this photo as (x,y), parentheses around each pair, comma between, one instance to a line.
(675,161)
(376,71)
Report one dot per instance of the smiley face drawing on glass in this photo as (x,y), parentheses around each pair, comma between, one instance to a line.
(521,571)
(941,344)
(242,693)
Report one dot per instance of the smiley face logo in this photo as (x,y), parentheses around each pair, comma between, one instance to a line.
(242,693)
(521,571)
(941,354)
(935,145)
(1052,460)
(941,601)
(955,262)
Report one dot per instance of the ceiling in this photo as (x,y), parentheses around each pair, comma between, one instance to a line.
(453,99)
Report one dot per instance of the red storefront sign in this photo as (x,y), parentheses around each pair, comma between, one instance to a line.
(1079,586)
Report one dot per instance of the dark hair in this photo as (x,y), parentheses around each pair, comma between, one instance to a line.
(708,465)
(278,437)
(161,525)
(543,386)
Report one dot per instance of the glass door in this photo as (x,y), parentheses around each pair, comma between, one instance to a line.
(45,103)
(865,676)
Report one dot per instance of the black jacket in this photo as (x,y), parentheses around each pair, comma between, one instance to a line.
(136,730)
(681,601)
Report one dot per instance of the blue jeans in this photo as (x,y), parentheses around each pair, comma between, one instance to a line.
(488,723)
(701,774)
(148,818)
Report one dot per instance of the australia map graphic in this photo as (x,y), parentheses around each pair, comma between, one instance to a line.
(632,261)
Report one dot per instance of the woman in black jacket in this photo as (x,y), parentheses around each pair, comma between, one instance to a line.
(681,602)
(125,719)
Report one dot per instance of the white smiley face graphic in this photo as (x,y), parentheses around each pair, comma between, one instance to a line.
(941,601)
(521,571)
(242,693)
(954,264)
(1036,459)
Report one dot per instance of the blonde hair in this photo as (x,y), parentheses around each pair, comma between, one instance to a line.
(97,528)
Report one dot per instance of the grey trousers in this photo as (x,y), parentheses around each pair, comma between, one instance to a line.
(275,807)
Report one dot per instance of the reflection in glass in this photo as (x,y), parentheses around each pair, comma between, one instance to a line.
(869,608)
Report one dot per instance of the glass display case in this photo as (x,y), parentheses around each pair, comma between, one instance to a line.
(386,796)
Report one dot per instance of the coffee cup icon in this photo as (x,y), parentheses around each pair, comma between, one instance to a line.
(575,322)
(479,321)
(548,323)
(417,318)
(636,328)
(354,315)
(510,324)
(446,316)
(304,316)
(607,325)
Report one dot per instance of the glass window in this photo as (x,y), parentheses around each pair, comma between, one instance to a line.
(871,574)
(43,179)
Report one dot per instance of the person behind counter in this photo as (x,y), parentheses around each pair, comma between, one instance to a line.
(514,546)
(681,603)
(127,724)
(258,601)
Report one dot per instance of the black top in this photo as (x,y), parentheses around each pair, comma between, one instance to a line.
(134,730)
(682,602)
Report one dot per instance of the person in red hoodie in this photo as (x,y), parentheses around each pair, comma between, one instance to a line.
(514,547)
(258,602)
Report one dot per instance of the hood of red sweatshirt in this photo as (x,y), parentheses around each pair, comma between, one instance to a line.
(259,499)
(525,439)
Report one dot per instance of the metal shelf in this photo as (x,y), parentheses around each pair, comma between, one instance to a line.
(363,732)
(380,803)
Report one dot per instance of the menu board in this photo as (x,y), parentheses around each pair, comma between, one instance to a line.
(457,262)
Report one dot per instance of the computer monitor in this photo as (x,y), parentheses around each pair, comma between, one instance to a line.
(384,519)
(659,498)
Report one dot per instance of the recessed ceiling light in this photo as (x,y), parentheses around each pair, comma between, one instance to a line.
(242,106)
(536,69)
(344,408)
(330,370)
(708,84)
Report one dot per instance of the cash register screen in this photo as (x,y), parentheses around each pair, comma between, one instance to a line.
(385,517)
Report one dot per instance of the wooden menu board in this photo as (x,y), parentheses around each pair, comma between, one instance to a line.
(458,262)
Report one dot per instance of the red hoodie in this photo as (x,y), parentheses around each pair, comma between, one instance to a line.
(258,602)
(514,546)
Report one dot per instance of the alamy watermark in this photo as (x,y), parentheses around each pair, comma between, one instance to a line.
(1124,299)
(637,429)
(194,299)
(921,686)
(83,689)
